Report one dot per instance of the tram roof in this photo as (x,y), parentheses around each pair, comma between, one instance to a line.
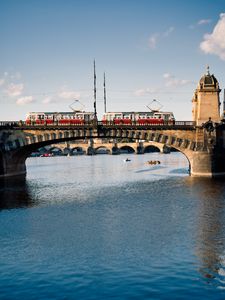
(58,112)
(139,112)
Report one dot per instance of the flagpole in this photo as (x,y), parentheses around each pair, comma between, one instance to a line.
(104,95)
(95,110)
(224,103)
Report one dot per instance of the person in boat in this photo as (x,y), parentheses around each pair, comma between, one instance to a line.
(154,162)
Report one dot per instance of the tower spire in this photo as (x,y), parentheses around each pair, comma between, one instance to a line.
(95,110)
(104,94)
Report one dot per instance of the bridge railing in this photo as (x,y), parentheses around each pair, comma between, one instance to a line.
(165,123)
(9,124)
(23,124)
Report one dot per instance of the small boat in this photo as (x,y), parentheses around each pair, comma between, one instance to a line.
(153,162)
(127,159)
(46,155)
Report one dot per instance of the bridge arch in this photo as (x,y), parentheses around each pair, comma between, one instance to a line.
(127,149)
(151,148)
(77,150)
(56,151)
(101,150)
(186,153)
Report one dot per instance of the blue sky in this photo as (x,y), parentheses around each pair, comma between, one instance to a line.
(148,49)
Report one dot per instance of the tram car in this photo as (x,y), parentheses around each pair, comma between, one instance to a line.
(139,118)
(60,118)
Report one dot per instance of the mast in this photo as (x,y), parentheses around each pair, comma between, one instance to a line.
(104,95)
(224,103)
(95,111)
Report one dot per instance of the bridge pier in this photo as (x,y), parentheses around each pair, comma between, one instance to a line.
(205,164)
(90,151)
(165,149)
(201,164)
(11,165)
(115,149)
(140,148)
(209,161)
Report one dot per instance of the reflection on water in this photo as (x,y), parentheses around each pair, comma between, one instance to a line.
(14,193)
(100,228)
(211,229)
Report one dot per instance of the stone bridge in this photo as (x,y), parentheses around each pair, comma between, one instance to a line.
(203,148)
(91,147)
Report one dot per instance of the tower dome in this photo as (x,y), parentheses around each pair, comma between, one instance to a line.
(208,81)
(206,100)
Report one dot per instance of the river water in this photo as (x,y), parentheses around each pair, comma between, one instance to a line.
(99,228)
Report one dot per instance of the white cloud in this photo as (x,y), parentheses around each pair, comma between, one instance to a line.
(68,94)
(153,39)
(172,81)
(214,43)
(156,37)
(15,75)
(2,81)
(25,100)
(200,23)
(146,91)
(13,89)
(11,76)
(168,31)
(204,21)
(48,100)
(167,75)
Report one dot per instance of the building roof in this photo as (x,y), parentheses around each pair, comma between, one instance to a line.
(208,81)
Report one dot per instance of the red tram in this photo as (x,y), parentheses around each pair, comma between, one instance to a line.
(117,118)
(60,118)
(139,118)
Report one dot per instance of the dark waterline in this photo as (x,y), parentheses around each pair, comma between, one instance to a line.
(100,228)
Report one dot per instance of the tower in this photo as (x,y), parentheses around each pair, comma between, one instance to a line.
(206,100)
